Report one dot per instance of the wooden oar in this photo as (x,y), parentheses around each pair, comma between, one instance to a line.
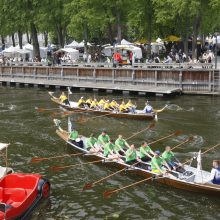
(90,185)
(176,133)
(145,129)
(58,168)
(108,193)
(39,159)
(44,109)
(211,148)
(178,145)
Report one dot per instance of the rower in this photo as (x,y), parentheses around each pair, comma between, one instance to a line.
(122,107)
(107,106)
(64,99)
(81,102)
(103,138)
(101,103)
(145,152)
(109,151)
(130,106)
(131,155)
(91,144)
(73,135)
(94,104)
(215,173)
(148,108)
(158,164)
(120,145)
(89,102)
(114,104)
(171,160)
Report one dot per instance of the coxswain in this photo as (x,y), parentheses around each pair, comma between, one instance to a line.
(64,99)
(114,104)
(131,155)
(107,106)
(120,145)
(130,106)
(81,102)
(91,144)
(89,102)
(103,138)
(94,104)
(158,164)
(73,135)
(122,107)
(170,158)
(148,108)
(145,152)
(215,173)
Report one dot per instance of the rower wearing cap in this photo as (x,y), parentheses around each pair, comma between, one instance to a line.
(158,163)
(103,138)
(120,145)
(145,152)
(64,99)
(131,155)
(81,102)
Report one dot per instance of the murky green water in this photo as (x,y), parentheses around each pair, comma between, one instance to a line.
(33,134)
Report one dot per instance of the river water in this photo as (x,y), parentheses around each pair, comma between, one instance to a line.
(32,133)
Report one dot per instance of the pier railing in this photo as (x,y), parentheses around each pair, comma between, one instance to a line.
(193,80)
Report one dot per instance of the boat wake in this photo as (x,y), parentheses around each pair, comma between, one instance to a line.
(7,108)
(177,108)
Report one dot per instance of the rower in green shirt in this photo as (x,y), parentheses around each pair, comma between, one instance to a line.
(103,138)
(91,144)
(120,145)
(170,158)
(158,163)
(131,155)
(145,152)
(73,135)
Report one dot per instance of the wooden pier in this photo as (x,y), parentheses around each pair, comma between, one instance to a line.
(155,80)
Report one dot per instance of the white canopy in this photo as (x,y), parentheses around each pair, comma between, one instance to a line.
(74,54)
(14,51)
(134,49)
(81,44)
(74,44)
(125,42)
(28,47)
(3,146)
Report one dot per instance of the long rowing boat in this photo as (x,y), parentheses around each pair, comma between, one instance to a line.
(139,114)
(191,180)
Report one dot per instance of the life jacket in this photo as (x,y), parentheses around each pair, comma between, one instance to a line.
(216,179)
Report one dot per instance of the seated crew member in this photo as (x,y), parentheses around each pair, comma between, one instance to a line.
(171,160)
(122,107)
(73,135)
(145,152)
(215,173)
(131,155)
(101,103)
(89,102)
(103,139)
(120,145)
(114,104)
(94,104)
(158,164)
(148,108)
(64,99)
(107,106)
(81,103)
(91,144)
(109,151)
(79,142)
(130,106)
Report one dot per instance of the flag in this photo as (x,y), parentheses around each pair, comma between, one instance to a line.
(69,91)
(199,162)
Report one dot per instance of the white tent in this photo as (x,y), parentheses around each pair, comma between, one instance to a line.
(15,51)
(74,44)
(125,42)
(134,49)
(43,50)
(74,54)
(81,44)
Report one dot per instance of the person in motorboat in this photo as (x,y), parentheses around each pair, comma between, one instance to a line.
(73,135)
(103,138)
(158,164)
(64,99)
(94,104)
(148,108)
(91,144)
(89,102)
(122,107)
(130,106)
(215,173)
(81,102)
(131,156)
(121,145)
(145,152)
(170,158)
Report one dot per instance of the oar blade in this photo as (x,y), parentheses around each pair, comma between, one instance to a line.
(108,193)
(39,109)
(190,138)
(87,186)
(56,168)
(177,133)
(36,160)
(152,125)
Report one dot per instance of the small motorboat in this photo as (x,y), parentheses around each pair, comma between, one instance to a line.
(20,193)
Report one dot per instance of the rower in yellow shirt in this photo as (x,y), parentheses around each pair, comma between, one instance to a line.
(122,107)
(130,106)
(94,104)
(89,102)
(107,106)
(114,104)
(81,102)
(64,99)
(102,103)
